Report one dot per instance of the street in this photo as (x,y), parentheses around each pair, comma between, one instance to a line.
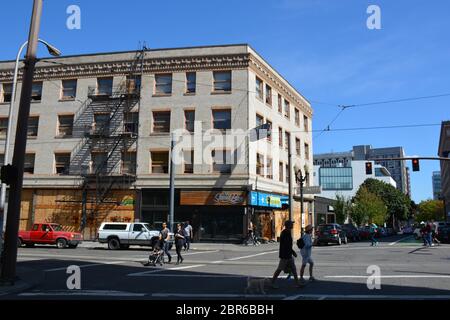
(220,271)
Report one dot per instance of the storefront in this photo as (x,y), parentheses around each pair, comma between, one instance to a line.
(324,210)
(214,215)
(265,210)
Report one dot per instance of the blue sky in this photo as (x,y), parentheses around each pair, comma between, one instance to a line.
(322,47)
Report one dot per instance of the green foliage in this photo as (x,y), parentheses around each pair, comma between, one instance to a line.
(368,208)
(342,208)
(430,210)
(397,203)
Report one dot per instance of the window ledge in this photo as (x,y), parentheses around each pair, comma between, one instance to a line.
(162,134)
(5,103)
(189,94)
(221,92)
(31,137)
(158,95)
(65,100)
(65,137)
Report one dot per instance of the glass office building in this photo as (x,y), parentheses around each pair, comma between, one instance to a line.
(337,178)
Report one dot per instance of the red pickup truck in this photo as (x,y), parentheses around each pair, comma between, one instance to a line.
(49,233)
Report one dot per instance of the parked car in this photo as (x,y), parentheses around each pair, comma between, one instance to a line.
(364,232)
(120,235)
(352,232)
(331,232)
(408,230)
(443,234)
(49,233)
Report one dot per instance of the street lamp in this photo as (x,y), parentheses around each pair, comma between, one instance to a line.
(54,52)
(301,179)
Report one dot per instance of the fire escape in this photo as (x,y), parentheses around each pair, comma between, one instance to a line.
(108,129)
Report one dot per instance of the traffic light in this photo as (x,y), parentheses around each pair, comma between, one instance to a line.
(415,164)
(368,167)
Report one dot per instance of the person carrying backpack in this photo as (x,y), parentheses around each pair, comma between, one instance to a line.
(305,244)
(373,231)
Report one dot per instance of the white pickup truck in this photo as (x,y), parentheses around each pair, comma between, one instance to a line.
(120,235)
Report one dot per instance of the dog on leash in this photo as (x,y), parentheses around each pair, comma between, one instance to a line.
(255,285)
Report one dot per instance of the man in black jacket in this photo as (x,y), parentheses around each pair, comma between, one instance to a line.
(286,254)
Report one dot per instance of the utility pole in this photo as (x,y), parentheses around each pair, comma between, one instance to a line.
(9,258)
(291,198)
(172,184)
(301,179)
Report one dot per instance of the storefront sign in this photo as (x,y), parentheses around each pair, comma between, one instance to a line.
(261,199)
(213,198)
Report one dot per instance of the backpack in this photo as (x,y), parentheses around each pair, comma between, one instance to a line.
(300,243)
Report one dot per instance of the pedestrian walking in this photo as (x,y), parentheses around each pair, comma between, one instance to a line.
(373,231)
(428,234)
(179,243)
(165,237)
(423,233)
(286,254)
(306,253)
(188,235)
(434,232)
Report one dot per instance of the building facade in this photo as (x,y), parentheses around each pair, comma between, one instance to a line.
(397,168)
(436,182)
(444,151)
(345,181)
(100,131)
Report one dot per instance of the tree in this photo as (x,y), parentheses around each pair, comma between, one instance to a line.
(430,210)
(368,208)
(342,208)
(397,203)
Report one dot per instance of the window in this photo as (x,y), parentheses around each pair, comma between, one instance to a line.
(104,86)
(133,84)
(268,95)
(33,124)
(99,162)
(288,173)
(160,161)
(101,123)
(6,92)
(131,122)
(189,120)
(260,165)
(269,169)
(269,134)
(259,88)
(297,146)
(163,84)
(280,172)
(287,109)
(222,119)
(137,227)
(3,127)
(259,120)
(36,91)
(161,121)
(222,81)
(336,178)
(280,106)
(28,166)
(280,137)
(128,162)
(305,123)
(287,141)
(306,151)
(188,156)
(221,161)
(62,163)
(65,126)
(297,117)
(190,82)
(69,89)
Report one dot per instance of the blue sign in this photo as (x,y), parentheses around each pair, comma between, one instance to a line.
(261,199)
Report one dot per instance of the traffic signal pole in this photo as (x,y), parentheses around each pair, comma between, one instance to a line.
(9,258)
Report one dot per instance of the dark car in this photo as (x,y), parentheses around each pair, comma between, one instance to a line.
(364,233)
(352,232)
(443,234)
(331,232)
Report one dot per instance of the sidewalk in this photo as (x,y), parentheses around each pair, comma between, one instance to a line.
(27,278)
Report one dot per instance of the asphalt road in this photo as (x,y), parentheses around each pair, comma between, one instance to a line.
(407,271)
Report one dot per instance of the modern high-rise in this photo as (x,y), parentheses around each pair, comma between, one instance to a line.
(397,168)
(444,152)
(436,180)
(99,138)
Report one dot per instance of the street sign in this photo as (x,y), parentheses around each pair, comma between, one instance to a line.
(312,190)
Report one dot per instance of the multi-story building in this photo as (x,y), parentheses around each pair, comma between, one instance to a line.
(345,181)
(444,151)
(397,168)
(100,132)
(436,181)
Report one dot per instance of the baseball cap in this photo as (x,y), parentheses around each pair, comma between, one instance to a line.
(288,223)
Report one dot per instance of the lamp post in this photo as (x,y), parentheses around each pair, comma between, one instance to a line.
(301,179)
(54,52)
